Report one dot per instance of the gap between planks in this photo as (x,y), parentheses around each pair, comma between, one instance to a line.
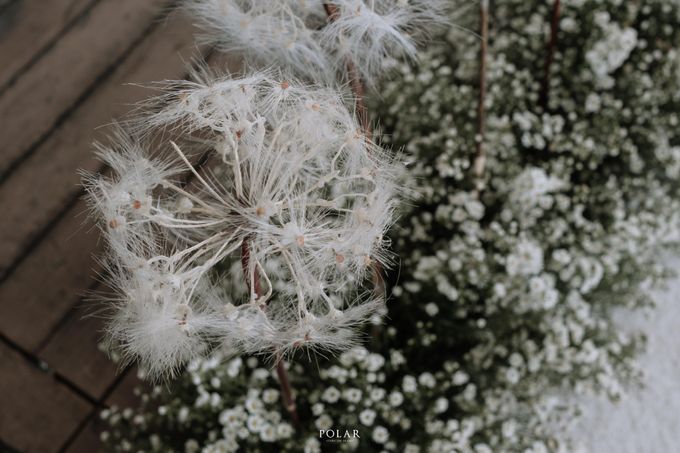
(34,32)
(18,243)
(41,99)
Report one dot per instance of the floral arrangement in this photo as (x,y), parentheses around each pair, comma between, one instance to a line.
(293,183)
(296,188)
(514,255)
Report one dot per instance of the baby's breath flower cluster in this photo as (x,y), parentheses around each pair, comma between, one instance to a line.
(520,284)
(295,34)
(222,407)
(291,185)
(504,306)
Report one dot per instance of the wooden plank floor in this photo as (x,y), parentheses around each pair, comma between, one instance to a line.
(63,69)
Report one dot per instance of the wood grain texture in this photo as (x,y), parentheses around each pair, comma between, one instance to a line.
(38,191)
(55,84)
(124,395)
(38,412)
(29,27)
(73,352)
(87,440)
(49,281)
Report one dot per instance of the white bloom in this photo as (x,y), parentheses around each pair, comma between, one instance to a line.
(254,405)
(405,423)
(234,367)
(268,433)
(512,375)
(397,358)
(301,36)
(367,417)
(531,185)
(260,374)
(284,430)
(431,309)
(255,423)
(499,290)
(483,448)
(526,259)
(409,384)
(312,446)
(441,405)
(231,417)
(508,428)
(324,422)
(183,414)
(374,362)
(380,434)
(460,377)
(396,398)
(427,380)
(593,102)
(295,186)
(352,395)
(191,446)
(593,272)
(611,52)
(330,395)
(317,409)
(270,396)
(377,394)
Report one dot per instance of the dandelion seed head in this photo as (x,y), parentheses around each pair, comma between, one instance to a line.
(267,249)
(301,37)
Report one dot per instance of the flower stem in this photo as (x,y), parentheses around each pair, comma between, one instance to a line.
(480,152)
(281,372)
(355,83)
(286,390)
(254,285)
(358,89)
(550,55)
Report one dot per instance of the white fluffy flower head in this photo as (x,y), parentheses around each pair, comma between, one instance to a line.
(314,38)
(293,201)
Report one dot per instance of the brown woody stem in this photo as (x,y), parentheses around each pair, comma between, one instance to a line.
(480,152)
(281,372)
(550,54)
(357,87)
(245,264)
(286,390)
(355,83)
